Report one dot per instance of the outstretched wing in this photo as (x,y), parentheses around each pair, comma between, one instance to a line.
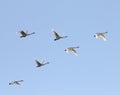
(17,83)
(74,51)
(55,33)
(23,33)
(103,36)
(38,63)
(43,61)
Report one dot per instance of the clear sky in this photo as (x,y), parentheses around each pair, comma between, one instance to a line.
(96,69)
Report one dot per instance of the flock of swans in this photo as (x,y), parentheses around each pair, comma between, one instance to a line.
(57,37)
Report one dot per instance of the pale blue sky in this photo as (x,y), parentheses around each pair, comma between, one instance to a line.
(96,69)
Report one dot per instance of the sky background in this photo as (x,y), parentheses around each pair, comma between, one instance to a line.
(96,69)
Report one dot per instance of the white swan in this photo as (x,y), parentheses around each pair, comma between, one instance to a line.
(72,49)
(24,34)
(15,82)
(39,64)
(101,35)
(57,36)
